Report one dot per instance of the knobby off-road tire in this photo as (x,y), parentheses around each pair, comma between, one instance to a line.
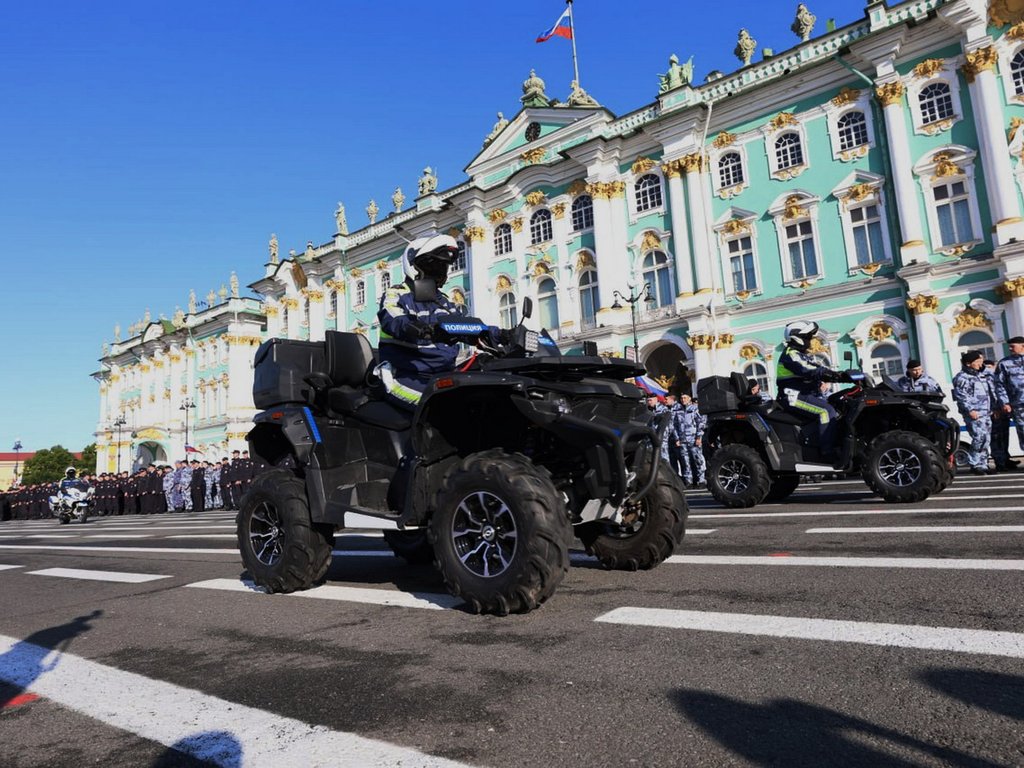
(903,467)
(737,476)
(413,546)
(782,487)
(500,533)
(652,529)
(281,547)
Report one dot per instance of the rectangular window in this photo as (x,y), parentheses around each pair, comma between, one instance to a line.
(803,261)
(741,261)
(867,234)
(954,214)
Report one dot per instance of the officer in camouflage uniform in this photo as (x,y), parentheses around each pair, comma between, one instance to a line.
(689,429)
(972,393)
(656,408)
(1008,383)
(916,380)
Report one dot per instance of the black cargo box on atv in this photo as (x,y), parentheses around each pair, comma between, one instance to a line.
(280,367)
(718,394)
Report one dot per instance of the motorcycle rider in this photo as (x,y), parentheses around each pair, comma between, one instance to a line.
(71,480)
(409,353)
(799,376)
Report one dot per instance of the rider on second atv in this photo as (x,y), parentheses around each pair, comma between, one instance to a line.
(799,376)
(410,355)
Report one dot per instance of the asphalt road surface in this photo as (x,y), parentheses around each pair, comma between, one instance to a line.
(831,630)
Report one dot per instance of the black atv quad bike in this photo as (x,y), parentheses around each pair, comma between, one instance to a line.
(501,463)
(901,443)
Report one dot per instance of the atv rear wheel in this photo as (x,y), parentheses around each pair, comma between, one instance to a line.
(412,546)
(500,533)
(651,530)
(782,487)
(903,467)
(281,547)
(737,476)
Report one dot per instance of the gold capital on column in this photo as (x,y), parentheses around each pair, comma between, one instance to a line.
(922,304)
(1012,288)
(979,61)
(473,234)
(700,341)
(890,93)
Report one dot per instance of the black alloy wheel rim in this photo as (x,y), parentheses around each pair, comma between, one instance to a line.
(734,476)
(484,534)
(900,467)
(266,536)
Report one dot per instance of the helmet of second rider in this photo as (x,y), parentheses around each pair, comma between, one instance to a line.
(70,473)
(799,334)
(427,259)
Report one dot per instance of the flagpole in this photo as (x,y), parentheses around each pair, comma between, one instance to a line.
(575,66)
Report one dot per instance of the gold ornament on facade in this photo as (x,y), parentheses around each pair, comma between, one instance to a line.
(700,341)
(1015,123)
(858,193)
(237,435)
(939,126)
(693,163)
(727,193)
(115,377)
(144,368)
(642,165)
(290,303)
(271,311)
(782,120)
(651,241)
(743,295)
(541,267)
(725,339)
(846,96)
(607,190)
(944,166)
(929,68)
(749,352)
(793,209)
(535,198)
(382,264)
(890,93)
(1016,32)
(957,251)
(734,227)
(672,169)
(856,153)
(558,210)
(979,61)
(584,260)
(356,272)
(970,319)
(454,232)
(152,398)
(1011,289)
(870,269)
(724,139)
(923,304)
(578,187)
(497,215)
(503,283)
(473,234)
(1003,12)
(458,297)
(533,156)
(315,297)
(880,331)
(158,363)
(516,224)
(818,347)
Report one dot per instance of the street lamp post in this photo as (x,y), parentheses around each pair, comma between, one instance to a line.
(635,296)
(17,459)
(119,422)
(186,406)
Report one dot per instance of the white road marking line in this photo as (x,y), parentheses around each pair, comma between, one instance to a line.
(168,550)
(390,597)
(724,516)
(950,564)
(167,527)
(76,573)
(118,536)
(9,567)
(201,536)
(215,730)
(977,641)
(700,531)
(926,529)
(362,553)
(958,498)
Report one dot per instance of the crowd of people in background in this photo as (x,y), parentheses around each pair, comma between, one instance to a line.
(188,486)
(681,446)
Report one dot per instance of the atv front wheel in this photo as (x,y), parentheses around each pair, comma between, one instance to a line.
(500,533)
(651,529)
(281,548)
(903,467)
(737,476)
(412,546)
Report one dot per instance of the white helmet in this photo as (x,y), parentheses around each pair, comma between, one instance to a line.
(70,473)
(799,333)
(428,258)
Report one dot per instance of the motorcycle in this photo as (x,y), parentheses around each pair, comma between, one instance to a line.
(72,504)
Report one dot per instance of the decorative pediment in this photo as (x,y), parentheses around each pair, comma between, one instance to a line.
(857,187)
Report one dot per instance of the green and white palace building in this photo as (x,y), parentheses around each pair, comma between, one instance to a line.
(869,178)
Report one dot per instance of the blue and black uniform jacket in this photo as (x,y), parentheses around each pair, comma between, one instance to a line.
(400,342)
(801,372)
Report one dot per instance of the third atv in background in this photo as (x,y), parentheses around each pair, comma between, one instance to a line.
(901,443)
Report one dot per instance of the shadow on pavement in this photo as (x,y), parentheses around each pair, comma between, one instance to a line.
(798,735)
(26,660)
(996,692)
(219,748)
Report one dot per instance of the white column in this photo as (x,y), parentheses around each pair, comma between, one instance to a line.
(995,153)
(274,317)
(1013,292)
(702,248)
(680,229)
(929,339)
(610,239)
(703,358)
(561,267)
(479,255)
(317,320)
(913,248)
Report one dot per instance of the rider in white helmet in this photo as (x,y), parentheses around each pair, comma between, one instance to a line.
(408,315)
(799,376)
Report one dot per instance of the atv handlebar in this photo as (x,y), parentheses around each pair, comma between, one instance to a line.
(499,342)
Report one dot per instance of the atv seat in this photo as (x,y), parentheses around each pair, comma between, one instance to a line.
(779,415)
(349,360)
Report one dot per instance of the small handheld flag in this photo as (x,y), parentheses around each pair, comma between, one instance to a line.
(190,449)
(561,28)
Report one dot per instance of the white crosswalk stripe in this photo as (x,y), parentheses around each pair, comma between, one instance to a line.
(77,573)
(935,563)
(925,529)
(388,597)
(726,516)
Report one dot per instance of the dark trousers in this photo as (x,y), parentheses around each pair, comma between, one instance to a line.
(198,494)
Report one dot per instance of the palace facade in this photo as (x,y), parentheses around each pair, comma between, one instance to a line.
(869,178)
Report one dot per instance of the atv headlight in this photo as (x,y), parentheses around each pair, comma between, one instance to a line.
(562,405)
(531,343)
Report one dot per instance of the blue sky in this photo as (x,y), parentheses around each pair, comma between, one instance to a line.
(150,149)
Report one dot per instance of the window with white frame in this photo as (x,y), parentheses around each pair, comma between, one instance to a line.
(981,341)
(285,312)
(801,253)
(886,360)
(852,128)
(360,293)
(648,193)
(789,151)
(547,303)
(1017,72)
(385,281)
(582,213)
(947,181)
(334,304)
(459,265)
(589,300)
(741,263)
(758,371)
(935,102)
(502,239)
(508,316)
(867,233)
(657,273)
(540,227)
(953,211)
(730,170)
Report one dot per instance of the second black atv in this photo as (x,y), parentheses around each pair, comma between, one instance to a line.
(901,443)
(501,463)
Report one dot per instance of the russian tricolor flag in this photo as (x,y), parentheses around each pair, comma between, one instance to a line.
(650,386)
(562,28)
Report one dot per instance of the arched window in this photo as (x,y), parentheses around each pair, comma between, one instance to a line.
(547,301)
(886,360)
(507,314)
(936,103)
(285,312)
(853,130)
(502,239)
(582,213)
(758,372)
(385,282)
(334,304)
(459,265)
(648,193)
(789,152)
(589,301)
(360,293)
(730,170)
(1017,72)
(540,227)
(979,340)
(658,276)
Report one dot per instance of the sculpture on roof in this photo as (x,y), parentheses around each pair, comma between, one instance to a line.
(178,320)
(745,47)
(398,199)
(234,286)
(339,219)
(498,128)
(273,248)
(533,92)
(211,298)
(677,75)
(223,293)
(427,182)
(192,301)
(580,98)
(803,25)
(310,253)
(371,211)
(117,332)
(146,319)
(106,349)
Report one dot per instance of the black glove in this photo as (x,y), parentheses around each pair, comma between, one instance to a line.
(418,330)
(829,375)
